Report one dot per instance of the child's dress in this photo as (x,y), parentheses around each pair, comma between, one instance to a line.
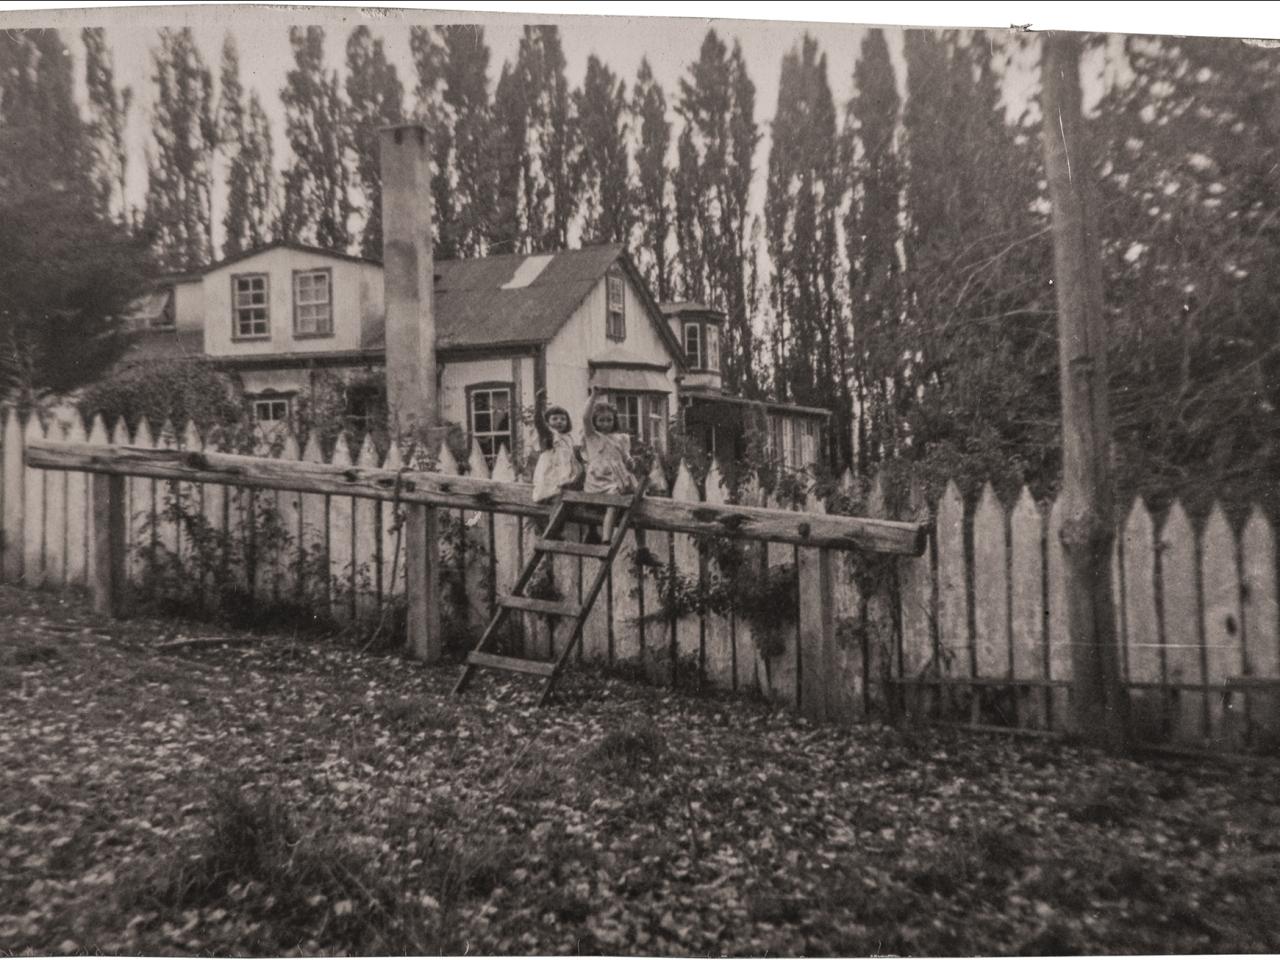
(557,467)
(608,457)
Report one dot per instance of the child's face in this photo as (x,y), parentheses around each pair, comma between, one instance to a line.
(558,422)
(604,421)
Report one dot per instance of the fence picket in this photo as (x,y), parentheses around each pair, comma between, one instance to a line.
(77,514)
(1224,650)
(190,495)
(33,572)
(142,532)
(12,477)
(719,626)
(1058,635)
(213,502)
(341,560)
(845,699)
(391,518)
(817,661)
(992,652)
(97,434)
(916,584)
(55,518)
(505,536)
(1261,625)
(688,645)
(364,518)
(1144,652)
(1181,610)
(165,490)
(750,662)
(782,671)
(284,561)
(1028,607)
(313,525)
(479,572)
(955,647)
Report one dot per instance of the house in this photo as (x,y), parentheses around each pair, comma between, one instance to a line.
(289,320)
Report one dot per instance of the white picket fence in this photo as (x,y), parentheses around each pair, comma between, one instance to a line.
(973,631)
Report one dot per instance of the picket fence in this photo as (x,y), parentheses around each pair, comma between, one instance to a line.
(971,632)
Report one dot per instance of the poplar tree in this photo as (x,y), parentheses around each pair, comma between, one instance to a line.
(179,210)
(317,201)
(376,99)
(651,206)
(872,231)
(603,170)
(108,118)
(716,153)
(548,190)
(245,136)
(508,227)
(803,194)
(67,268)
(452,64)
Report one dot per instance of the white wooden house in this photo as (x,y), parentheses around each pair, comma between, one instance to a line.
(284,318)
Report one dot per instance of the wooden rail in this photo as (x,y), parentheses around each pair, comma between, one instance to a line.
(473,493)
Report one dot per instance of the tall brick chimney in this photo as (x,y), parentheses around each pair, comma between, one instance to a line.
(408,279)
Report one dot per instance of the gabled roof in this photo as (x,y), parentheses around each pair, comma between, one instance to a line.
(283,245)
(522,298)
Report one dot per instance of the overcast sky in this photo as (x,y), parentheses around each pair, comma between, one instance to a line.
(670,43)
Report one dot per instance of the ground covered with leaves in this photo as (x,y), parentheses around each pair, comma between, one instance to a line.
(296,796)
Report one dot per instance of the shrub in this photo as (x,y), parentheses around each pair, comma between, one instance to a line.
(174,390)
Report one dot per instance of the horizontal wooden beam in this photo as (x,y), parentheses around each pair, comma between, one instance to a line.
(474,493)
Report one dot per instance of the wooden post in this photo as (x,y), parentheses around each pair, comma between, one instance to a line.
(108,513)
(1098,707)
(408,278)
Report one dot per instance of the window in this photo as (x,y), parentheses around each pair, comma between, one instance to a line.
(366,405)
(776,449)
(693,345)
(628,406)
(616,322)
(656,427)
(271,409)
(713,347)
(313,303)
(249,307)
(810,442)
(489,411)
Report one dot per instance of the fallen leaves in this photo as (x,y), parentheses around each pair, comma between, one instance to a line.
(377,814)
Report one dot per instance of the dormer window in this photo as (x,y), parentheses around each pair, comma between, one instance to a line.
(702,345)
(616,307)
(313,303)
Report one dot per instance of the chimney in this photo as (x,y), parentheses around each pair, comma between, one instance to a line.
(408,274)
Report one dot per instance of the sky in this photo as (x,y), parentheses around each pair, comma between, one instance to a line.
(670,43)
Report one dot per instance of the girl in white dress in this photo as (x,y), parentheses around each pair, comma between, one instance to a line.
(607,452)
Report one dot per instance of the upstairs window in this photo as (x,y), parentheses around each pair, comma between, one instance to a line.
(249,312)
(693,345)
(713,347)
(616,320)
(313,303)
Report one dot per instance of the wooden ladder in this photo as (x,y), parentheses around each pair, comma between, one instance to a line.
(551,542)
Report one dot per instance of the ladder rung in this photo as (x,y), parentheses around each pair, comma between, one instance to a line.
(553,607)
(598,550)
(597,499)
(512,664)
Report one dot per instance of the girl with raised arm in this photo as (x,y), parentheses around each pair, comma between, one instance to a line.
(607,452)
(558,467)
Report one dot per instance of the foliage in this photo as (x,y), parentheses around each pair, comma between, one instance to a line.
(245,132)
(67,270)
(178,217)
(317,200)
(374,96)
(652,209)
(716,151)
(160,390)
(602,170)
(108,119)
(452,64)
(810,343)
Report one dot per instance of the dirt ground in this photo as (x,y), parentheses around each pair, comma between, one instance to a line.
(293,795)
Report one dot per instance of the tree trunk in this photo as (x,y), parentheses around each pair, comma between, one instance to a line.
(1099,709)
